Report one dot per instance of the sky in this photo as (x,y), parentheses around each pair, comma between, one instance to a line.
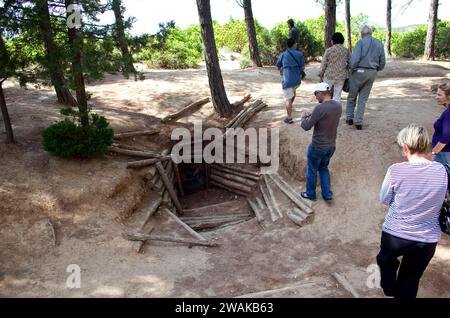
(149,13)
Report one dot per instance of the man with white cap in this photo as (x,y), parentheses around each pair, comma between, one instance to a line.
(325,120)
(367,60)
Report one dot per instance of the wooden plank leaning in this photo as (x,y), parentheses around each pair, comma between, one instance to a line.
(292,196)
(184,225)
(169,187)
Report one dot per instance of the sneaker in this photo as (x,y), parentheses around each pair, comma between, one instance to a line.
(304,195)
(288,120)
(328,199)
(358,127)
(349,122)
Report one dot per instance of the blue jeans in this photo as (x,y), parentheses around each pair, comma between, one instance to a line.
(318,161)
(443,157)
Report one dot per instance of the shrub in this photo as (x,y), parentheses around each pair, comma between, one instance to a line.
(67,138)
(411,44)
(176,50)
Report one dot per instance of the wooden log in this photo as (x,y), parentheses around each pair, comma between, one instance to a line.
(146,237)
(272,197)
(230,131)
(256,210)
(295,218)
(290,188)
(205,225)
(135,153)
(346,284)
(184,225)
(136,133)
(189,219)
(230,184)
(246,118)
(178,179)
(236,173)
(292,196)
(141,245)
(266,197)
(234,178)
(242,101)
(221,186)
(238,169)
(232,121)
(260,203)
(186,109)
(253,109)
(300,213)
(147,162)
(169,187)
(150,212)
(214,208)
(127,147)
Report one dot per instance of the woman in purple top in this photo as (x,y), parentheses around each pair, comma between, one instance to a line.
(441,138)
(414,191)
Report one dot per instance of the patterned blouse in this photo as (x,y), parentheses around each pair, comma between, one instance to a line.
(335,63)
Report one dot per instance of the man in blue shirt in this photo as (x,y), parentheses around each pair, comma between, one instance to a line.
(293,31)
(367,60)
(290,63)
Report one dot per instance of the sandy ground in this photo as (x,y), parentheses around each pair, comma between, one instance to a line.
(91,202)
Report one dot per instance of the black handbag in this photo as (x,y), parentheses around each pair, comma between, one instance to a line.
(444,216)
(346,87)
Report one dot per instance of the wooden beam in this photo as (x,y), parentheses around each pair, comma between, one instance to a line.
(257,211)
(178,179)
(224,187)
(184,225)
(272,196)
(147,237)
(242,101)
(136,133)
(290,188)
(237,173)
(233,178)
(268,203)
(230,184)
(292,196)
(135,153)
(169,187)
(186,109)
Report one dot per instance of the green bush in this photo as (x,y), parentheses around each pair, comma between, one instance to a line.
(232,35)
(410,44)
(67,138)
(442,48)
(178,49)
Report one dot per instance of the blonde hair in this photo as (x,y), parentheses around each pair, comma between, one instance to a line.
(415,137)
(446,89)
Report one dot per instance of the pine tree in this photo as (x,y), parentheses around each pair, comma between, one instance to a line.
(128,67)
(218,93)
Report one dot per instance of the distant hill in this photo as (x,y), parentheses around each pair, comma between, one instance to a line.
(407,28)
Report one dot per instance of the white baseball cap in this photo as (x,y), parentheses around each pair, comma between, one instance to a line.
(321,87)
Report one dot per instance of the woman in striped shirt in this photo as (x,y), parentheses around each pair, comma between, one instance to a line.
(414,192)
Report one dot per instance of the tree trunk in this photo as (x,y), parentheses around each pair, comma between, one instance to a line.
(53,60)
(348,28)
(218,93)
(388,28)
(128,66)
(431,34)
(76,43)
(5,115)
(330,21)
(251,33)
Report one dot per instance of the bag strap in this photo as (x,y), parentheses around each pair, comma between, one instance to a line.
(292,55)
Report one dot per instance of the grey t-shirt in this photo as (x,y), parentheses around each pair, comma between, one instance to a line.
(325,120)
